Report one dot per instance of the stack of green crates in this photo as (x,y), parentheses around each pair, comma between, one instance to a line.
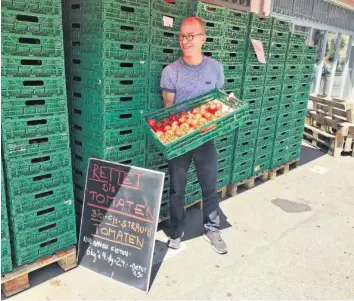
(35,131)
(252,93)
(107,46)
(6,260)
(293,100)
(275,60)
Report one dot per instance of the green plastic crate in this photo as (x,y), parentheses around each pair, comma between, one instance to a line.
(254,103)
(298,122)
(26,23)
(235,31)
(232,70)
(261,167)
(214,29)
(226,57)
(300,105)
(22,222)
(31,66)
(194,139)
(276,58)
(235,17)
(127,11)
(155,101)
(298,38)
(215,44)
(281,144)
(310,50)
(5,247)
(255,69)
(307,69)
(281,37)
(233,45)
(287,98)
(31,45)
(208,12)
(269,111)
(248,135)
(262,158)
(111,68)
(90,121)
(37,163)
(35,106)
(225,152)
(6,265)
(261,22)
(111,30)
(270,101)
(285,117)
(252,92)
(265,136)
(232,83)
(282,134)
(42,181)
(225,140)
(293,59)
(273,79)
(34,252)
(180,7)
(304,87)
(300,113)
(32,127)
(44,232)
(115,49)
(157,20)
(5,233)
(23,87)
(253,114)
(250,125)
(290,88)
(23,203)
(284,126)
(292,69)
(278,47)
(40,144)
(272,90)
(276,70)
(48,7)
(94,101)
(240,176)
(291,79)
(164,38)
(305,78)
(113,137)
(296,48)
(243,145)
(261,34)
(164,54)
(281,26)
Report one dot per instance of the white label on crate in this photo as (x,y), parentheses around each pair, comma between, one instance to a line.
(167,21)
(258,48)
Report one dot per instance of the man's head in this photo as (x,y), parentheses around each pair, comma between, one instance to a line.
(192,36)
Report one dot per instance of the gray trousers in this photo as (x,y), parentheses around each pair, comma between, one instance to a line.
(205,160)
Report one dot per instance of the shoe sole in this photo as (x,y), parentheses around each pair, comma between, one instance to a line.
(178,245)
(215,249)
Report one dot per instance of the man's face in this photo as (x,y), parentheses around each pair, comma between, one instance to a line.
(192,38)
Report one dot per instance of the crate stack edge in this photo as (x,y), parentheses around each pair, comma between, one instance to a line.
(35,130)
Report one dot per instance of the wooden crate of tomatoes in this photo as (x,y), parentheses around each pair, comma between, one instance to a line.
(184,126)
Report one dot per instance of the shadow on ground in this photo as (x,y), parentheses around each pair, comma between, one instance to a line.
(309,153)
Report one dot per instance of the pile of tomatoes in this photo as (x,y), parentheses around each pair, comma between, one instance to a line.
(175,126)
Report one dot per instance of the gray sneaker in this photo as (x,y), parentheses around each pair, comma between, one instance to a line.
(175,239)
(216,241)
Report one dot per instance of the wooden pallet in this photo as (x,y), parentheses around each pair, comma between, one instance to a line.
(333,144)
(197,204)
(248,183)
(18,280)
(283,169)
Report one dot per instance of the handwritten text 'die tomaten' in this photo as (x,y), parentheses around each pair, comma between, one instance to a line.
(105,174)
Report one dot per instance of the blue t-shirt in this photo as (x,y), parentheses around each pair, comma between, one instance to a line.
(189,81)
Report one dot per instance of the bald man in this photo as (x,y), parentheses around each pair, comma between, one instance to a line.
(190,76)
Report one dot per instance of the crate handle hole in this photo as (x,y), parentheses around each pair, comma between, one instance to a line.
(38,141)
(45,211)
(45,244)
(31,62)
(26,18)
(43,177)
(127,9)
(41,159)
(29,41)
(47,227)
(37,122)
(35,102)
(43,194)
(27,83)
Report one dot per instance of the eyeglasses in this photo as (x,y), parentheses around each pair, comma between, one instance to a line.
(189,37)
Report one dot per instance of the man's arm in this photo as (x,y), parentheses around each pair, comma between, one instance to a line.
(168,98)
(168,87)
(221,79)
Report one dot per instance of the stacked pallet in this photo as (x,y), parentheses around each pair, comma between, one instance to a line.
(35,130)
(252,93)
(330,126)
(293,101)
(6,261)
(107,50)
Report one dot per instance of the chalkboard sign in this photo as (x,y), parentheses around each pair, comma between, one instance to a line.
(119,221)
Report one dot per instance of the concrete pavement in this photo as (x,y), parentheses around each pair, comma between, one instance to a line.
(291,238)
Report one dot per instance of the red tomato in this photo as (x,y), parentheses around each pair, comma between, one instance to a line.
(206,115)
(202,121)
(174,123)
(197,116)
(173,117)
(166,128)
(218,106)
(218,113)
(195,110)
(159,134)
(212,109)
(193,123)
(152,122)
